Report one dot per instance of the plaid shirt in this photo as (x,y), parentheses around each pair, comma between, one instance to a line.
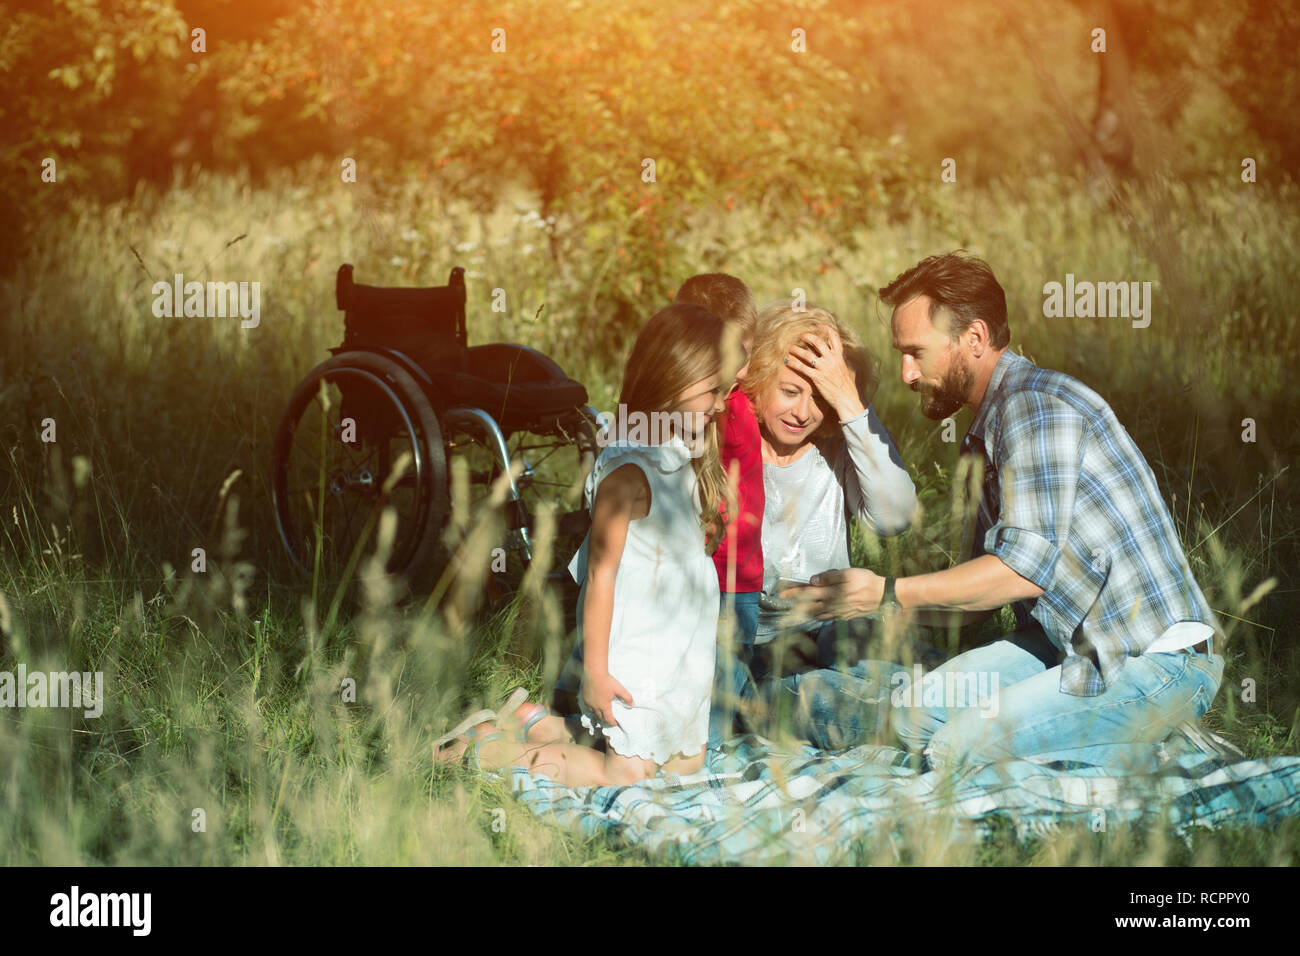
(1070,504)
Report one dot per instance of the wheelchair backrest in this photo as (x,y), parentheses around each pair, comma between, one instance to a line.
(426,323)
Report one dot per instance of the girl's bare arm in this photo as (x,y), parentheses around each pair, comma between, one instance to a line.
(621,498)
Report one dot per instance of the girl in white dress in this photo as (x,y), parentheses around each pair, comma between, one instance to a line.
(648,604)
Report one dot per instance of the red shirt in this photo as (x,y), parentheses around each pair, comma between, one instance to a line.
(738,427)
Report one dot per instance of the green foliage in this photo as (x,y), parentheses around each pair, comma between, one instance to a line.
(849,133)
(80,83)
(1266,33)
(627,122)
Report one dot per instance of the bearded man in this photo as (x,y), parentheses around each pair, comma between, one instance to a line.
(1115,645)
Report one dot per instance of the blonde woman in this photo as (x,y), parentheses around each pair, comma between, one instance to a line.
(826,456)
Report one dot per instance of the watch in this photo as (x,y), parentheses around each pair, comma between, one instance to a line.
(889,599)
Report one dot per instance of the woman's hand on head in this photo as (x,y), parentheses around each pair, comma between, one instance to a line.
(820,359)
(599,691)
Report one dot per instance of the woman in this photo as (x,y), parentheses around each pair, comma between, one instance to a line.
(826,456)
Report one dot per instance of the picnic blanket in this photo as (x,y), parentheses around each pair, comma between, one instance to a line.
(762,805)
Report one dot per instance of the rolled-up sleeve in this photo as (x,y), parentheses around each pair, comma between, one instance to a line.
(1030,555)
(1037,457)
(877,487)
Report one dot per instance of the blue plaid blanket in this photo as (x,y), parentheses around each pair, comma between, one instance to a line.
(759,805)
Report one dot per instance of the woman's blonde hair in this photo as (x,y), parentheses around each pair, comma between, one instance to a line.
(679,346)
(780,328)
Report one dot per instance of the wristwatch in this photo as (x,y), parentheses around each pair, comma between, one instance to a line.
(889,599)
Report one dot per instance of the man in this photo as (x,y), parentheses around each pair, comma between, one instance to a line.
(1115,644)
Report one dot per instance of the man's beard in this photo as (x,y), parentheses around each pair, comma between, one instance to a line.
(950,394)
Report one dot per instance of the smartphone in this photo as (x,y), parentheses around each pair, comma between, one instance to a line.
(775,602)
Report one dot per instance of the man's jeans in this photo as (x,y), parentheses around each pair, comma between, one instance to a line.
(1028,716)
(834,709)
(732,681)
(843,700)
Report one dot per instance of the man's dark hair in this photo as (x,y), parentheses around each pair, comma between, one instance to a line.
(964,285)
(725,296)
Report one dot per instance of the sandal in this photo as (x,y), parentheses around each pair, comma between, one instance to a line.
(526,714)
(476,738)
(473,720)
(517,696)
(473,738)
(519,709)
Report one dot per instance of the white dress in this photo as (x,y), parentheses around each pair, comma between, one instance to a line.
(662,641)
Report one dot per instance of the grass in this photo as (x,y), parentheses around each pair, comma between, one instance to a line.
(226,688)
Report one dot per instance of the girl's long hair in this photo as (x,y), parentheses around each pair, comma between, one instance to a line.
(679,346)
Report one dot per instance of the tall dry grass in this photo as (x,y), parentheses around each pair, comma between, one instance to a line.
(226,689)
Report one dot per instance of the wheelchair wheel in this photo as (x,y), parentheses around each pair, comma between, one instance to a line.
(556,456)
(358,435)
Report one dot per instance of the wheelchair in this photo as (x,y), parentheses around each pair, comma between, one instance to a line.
(376,425)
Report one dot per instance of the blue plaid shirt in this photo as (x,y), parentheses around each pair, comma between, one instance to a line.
(1070,504)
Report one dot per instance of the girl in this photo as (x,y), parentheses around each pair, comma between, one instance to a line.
(648,605)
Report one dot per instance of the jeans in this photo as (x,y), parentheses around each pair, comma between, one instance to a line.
(732,677)
(835,709)
(1022,712)
(836,693)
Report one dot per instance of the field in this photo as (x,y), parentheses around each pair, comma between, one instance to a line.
(226,739)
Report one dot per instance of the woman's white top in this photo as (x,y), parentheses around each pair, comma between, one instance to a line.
(662,639)
(805,514)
